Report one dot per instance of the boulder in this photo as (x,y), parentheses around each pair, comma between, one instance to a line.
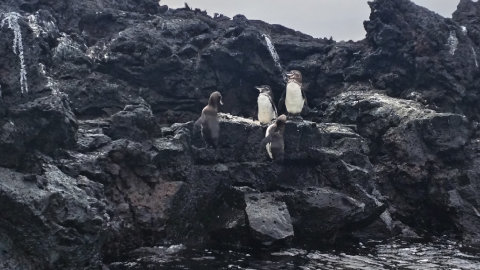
(51,212)
(44,124)
(268,218)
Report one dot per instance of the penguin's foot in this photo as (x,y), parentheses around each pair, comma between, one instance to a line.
(264,125)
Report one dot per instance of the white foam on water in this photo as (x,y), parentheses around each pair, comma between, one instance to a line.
(464,30)
(11,19)
(452,41)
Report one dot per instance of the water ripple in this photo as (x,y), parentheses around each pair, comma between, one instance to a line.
(394,255)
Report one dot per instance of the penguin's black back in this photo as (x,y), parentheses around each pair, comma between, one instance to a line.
(277,146)
(210,128)
(208,120)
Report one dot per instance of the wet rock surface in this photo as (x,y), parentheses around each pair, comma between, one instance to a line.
(99,157)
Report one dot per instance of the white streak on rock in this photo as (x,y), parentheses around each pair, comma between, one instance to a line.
(273,53)
(40,26)
(475,56)
(11,19)
(66,46)
(452,42)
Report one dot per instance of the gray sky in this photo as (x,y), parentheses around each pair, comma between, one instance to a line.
(341,19)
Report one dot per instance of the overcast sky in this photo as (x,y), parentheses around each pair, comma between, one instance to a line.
(341,19)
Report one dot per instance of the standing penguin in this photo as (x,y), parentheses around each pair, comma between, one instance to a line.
(294,96)
(274,139)
(208,121)
(266,108)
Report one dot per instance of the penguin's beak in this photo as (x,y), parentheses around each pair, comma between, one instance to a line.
(259,88)
(289,74)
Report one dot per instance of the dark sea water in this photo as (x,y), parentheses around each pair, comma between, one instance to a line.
(392,255)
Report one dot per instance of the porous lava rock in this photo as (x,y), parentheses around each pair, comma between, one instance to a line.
(99,157)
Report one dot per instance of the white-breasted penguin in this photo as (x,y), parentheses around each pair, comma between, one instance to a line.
(294,97)
(266,110)
(273,140)
(208,121)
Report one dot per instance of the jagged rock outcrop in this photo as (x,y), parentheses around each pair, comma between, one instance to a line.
(99,157)
(424,56)
(170,188)
(51,221)
(44,124)
(414,151)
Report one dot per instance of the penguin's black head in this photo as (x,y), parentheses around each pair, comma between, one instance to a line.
(215,99)
(280,122)
(265,89)
(282,119)
(295,75)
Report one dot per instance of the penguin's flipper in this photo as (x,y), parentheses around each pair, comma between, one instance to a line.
(304,98)
(198,124)
(264,142)
(281,103)
(255,113)
(273,106)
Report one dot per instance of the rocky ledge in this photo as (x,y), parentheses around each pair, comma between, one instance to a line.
(98,159)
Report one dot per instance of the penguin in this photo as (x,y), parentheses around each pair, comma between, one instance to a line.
(208,121)
(266,110)
(273,140)
(293,97)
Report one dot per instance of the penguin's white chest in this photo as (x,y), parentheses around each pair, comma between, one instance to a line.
(269,145)
(269,150)
(266,112)
(294,99)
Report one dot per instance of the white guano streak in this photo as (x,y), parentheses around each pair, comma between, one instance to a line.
(452,41)
(273,53)
(475,56)
(11,19)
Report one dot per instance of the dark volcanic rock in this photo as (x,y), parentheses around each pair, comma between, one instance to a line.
(418,51)
(321,214)
(317,155)
(415,150)
(467,15)
(51,213)
(465,197)
(135,122)
(44,124)
(106,127)
(268,218)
